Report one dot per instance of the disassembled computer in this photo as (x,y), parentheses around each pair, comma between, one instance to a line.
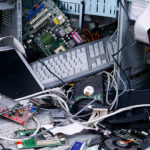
(95,74)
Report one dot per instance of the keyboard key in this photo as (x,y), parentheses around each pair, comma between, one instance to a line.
(68,55)
(102,51)
(101,44)
(91,51)
(98,61)
(73,53)
(77,70)
(56,59)
(84,67)
(96,49)
(61,57)
(39,65)
(109,48)
(78,51)
(114,46)
(104,61)
(83,50)
(93,65)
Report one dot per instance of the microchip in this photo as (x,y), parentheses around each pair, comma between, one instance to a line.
(46,38)
(71,43)
(62,33)
(68,30)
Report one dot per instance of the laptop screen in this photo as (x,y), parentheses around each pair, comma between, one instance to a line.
(15,78)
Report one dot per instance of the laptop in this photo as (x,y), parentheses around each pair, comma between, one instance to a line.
(16,77)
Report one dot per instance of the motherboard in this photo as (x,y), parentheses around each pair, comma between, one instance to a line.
(48,30)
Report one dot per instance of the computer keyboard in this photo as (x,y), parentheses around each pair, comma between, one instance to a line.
(75,63)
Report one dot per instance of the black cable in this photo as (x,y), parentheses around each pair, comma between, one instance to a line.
(122,72)
(2,145)
(47,67)
(124,10)
(52,72)
(43,129)
(125,45)
(3,148)
(68,119)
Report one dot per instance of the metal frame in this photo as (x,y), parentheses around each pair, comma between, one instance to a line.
(12,21)
(106,8)
(6,5)
(19,20)
(131,58)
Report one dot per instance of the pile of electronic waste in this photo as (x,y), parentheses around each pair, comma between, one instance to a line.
(81,106)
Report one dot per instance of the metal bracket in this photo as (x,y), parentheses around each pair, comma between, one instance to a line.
(19,20)
(6,5)
(106,8)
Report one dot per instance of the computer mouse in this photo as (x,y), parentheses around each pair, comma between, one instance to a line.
(86,113)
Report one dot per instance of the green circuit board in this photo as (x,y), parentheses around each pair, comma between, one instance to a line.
(134,135)
(44,140)
(47,29)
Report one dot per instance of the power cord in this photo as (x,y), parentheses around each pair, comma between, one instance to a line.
(115,113)
(52,72)
(57,90)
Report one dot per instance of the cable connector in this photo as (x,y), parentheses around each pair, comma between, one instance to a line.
(98,112)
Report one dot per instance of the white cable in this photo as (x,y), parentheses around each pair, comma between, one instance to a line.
(35,132)
(60,100)
(116,89)
(42,92)
(125,87)
(70,90)
(107,90)
(116,96)
(94,120)
(114,113)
